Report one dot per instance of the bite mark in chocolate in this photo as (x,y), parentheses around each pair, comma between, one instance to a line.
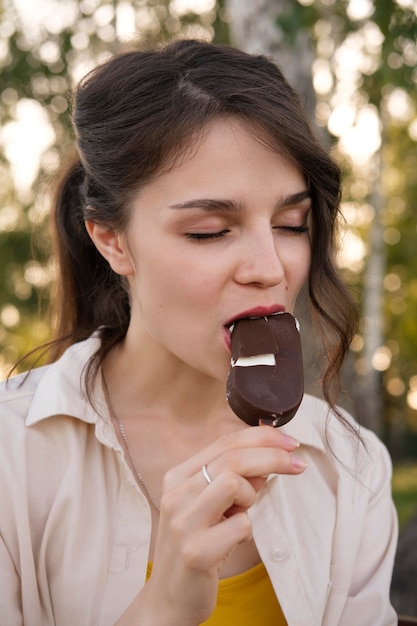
(266,379)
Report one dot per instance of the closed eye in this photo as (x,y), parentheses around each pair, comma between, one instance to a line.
(293,229)
(205,236)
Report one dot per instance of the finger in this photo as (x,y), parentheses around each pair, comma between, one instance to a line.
(240,504)
(227,491)
(253,465)
(259,462)
(256,437)
(195,507)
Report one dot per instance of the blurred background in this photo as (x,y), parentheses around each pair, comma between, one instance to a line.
(354,62)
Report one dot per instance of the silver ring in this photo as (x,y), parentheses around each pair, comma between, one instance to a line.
(206,474)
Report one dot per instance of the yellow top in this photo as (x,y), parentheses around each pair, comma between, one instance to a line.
(245,599)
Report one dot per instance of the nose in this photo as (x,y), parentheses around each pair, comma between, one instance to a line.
(260,262)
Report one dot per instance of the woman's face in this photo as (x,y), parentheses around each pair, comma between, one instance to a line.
(222,236)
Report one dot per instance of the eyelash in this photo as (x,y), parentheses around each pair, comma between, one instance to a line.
(222,233)
(205,236)
(294,229)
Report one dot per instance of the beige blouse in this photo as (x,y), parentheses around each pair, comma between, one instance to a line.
(75,527)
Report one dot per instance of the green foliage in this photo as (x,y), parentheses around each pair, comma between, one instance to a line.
(398,55)
(296,18)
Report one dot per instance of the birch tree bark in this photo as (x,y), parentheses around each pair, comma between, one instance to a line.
(373,312)
(255,28)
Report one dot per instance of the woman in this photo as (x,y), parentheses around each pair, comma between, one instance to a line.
(200,196)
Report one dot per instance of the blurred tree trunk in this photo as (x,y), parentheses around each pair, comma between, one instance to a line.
(255,27)
(373,311)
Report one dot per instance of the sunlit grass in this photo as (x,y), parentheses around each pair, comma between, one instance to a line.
(404,488)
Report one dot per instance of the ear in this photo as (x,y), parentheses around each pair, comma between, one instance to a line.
(113,247)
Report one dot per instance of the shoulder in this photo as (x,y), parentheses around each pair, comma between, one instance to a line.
(51,390)
(47,425)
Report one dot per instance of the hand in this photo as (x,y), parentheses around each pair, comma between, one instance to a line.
(201,523)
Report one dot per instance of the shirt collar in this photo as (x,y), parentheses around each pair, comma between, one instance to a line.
(61,390)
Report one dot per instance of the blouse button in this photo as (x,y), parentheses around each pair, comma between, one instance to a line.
(279,554)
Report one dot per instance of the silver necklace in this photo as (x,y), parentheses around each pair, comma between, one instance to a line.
(126,445)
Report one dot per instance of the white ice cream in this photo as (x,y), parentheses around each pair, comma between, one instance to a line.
(252,361)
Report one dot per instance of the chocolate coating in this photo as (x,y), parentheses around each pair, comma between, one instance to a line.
(270,394)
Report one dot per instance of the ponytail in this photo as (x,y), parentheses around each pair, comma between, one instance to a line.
(89,295)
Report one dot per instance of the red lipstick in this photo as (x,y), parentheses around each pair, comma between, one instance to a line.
(257,311)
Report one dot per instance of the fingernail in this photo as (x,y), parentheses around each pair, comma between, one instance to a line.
(291,442)
(298,462)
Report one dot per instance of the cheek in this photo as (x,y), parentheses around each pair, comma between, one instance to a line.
(175,282)
(298,268)
(195,272)
(300,254)
(306,264)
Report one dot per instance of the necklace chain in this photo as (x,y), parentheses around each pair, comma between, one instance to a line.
(126,445)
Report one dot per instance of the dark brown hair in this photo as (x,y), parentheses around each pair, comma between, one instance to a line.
(139,113)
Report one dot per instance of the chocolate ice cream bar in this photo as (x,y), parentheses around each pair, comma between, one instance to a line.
(266,380)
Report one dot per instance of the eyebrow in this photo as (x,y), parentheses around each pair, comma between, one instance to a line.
(295,198)
(218,204)
(209,204)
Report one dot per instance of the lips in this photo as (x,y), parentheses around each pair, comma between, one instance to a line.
(259,311)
